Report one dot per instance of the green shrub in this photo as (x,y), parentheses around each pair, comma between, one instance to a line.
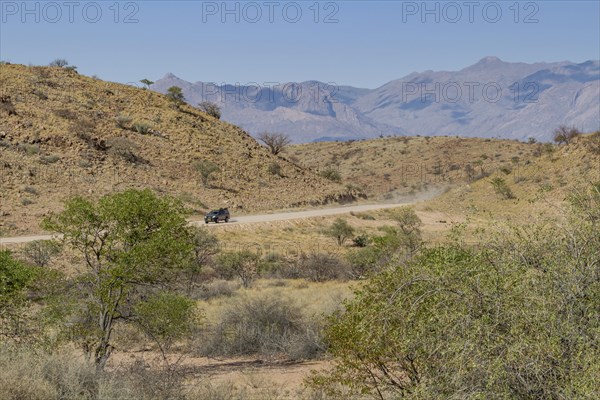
(142,128)
(165,317)
(15,276)
(365,261)
(50,159)
(331,174)
(340,231)
(321,267)
(508,320)
(244,265)
(206,169)
(124,148)
(274,169)
(501,187)
(29,149)
(361,240)
(123,121)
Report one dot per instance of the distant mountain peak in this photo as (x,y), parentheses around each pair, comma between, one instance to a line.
(490,60)
(170,75)
(533,99)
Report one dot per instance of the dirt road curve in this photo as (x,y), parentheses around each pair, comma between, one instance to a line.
(248,219)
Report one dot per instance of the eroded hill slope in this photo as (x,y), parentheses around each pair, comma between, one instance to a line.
(63,134)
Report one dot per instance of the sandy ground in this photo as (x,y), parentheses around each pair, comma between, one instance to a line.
(255,377)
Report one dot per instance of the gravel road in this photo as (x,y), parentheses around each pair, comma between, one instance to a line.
(247,219)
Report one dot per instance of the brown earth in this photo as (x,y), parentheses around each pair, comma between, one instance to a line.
(63,134)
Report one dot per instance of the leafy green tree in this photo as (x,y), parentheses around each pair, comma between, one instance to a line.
(147,83)
(340,231)
(165,317)
(175,95)
(243,264)
(510,320)
(409,225)
(129,242)
(15,278)
(206,169)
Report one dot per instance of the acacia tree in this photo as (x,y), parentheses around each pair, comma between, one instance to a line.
(211,109)
(59,62)
(175,94)
(147,83)
(165,317)
(276,142)
(243,264)
(340,231)
(41,252)
(565,134)
(206,246)
(206,169)
(129,242)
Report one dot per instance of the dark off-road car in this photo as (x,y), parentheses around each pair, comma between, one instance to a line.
(215,216)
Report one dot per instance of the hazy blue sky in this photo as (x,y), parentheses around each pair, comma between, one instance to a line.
(360,43)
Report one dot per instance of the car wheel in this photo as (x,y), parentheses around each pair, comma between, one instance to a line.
(227,219)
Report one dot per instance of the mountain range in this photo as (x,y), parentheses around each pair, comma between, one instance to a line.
(491,98)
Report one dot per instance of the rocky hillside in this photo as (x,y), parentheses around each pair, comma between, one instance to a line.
(495,178)
(63,134)
(397,167)
(535,188)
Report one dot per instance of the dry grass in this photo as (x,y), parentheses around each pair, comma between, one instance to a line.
(539,187)
(539,175)
(390,168)
(314,298)
(76,118)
